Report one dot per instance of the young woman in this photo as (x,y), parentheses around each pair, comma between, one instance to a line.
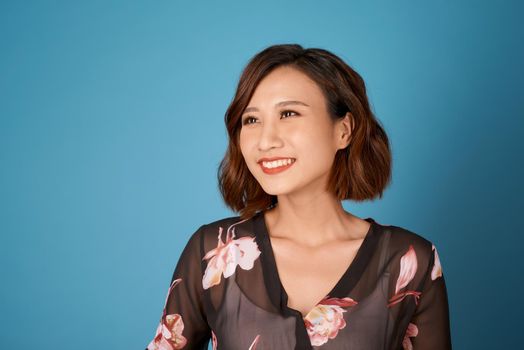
(295,270)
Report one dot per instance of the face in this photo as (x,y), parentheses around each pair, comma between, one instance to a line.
(301,130)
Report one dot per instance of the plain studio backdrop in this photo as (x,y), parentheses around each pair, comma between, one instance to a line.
(111,131)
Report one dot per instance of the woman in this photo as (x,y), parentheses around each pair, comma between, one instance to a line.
(294,270)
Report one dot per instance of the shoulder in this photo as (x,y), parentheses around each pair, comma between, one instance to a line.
(225,226)
(222,222)
(403,235)
(412,262)
(403,241)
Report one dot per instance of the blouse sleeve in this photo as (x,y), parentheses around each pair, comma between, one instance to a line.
(430,326)
(183,323)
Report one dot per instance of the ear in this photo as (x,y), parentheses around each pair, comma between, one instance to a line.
(343,130)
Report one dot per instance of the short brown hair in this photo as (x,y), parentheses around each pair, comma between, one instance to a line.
(361,171)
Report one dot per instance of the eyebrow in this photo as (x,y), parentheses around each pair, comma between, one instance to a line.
(279,104)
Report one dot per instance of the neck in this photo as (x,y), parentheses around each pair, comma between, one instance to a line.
(312,222)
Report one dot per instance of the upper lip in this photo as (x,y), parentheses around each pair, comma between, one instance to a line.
(272,159)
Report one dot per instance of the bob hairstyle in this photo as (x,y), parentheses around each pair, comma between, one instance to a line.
(361,171)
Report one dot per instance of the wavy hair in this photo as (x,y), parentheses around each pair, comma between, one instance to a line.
(361,171)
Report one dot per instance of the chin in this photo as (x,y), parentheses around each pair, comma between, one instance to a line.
(276,190)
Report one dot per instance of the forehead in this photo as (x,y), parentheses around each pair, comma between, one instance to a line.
(286,83)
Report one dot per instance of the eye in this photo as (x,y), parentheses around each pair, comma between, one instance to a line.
(288,111)
(246,119)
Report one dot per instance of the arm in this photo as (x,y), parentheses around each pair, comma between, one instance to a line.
(183,323)
(429,327)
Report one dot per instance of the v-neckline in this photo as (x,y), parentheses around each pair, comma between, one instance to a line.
(342,287)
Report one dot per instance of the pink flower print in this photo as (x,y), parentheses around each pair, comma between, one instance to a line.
(255,342)
(325,320)
(224,259)
(214,340)
(408,268)
(411,331)
(437,268)
(169,332)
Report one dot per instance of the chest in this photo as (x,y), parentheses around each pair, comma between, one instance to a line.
(307,274)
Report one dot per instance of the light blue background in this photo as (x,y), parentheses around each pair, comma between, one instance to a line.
(112,129)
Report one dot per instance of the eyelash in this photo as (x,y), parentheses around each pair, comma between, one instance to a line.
(244,122)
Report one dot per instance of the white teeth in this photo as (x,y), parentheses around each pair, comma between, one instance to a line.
(277,163)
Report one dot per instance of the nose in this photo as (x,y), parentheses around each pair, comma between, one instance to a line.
(269,137)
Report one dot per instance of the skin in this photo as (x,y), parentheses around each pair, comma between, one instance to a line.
(309,228)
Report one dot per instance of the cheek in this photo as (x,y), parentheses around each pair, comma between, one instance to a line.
(314,148)
(243,143)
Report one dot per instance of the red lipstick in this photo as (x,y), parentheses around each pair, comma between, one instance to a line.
(277,169)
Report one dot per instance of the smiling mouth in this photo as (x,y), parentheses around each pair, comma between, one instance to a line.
(277,166)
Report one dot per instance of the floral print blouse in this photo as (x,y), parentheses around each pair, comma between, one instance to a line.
(226,289)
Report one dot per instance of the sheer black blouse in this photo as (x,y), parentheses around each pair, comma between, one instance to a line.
(226,289)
